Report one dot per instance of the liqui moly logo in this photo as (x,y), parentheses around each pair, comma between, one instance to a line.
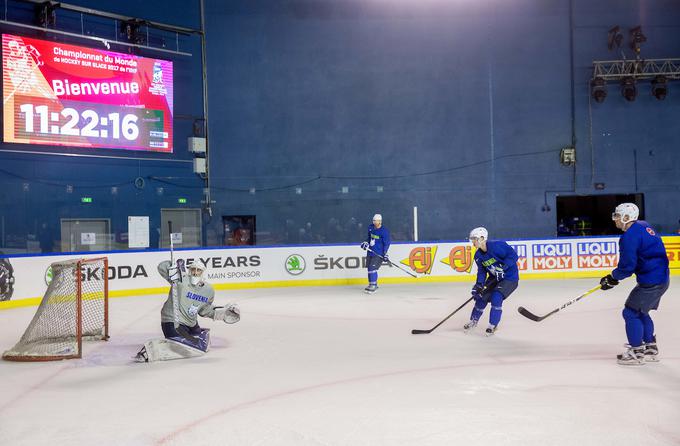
(598,255)
(522,261)
(548,256)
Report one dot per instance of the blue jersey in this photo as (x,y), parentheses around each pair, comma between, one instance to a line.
(378,240)
(499,261)
(641,251)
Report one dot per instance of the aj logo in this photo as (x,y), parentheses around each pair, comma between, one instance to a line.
(459,258)
(421,259)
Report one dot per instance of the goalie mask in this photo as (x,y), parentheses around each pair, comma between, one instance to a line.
(6,280)
(195,271)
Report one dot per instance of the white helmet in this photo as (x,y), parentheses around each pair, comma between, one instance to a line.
(195,270)
(627,212)
(479,233)
(377,217)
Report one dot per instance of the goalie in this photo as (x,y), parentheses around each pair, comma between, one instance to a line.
(190,296)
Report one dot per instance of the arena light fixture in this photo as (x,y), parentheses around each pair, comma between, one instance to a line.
(628,89)
(598,89)
(660,87)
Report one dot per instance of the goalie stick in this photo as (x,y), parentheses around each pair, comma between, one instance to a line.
(393,264)
(173,285)
(528,314)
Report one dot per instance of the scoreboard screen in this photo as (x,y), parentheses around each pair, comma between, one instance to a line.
(68,95)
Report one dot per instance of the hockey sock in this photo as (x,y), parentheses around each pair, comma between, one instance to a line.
(647,328)
(373,277)
(478,309)
(634,326)
(496,308)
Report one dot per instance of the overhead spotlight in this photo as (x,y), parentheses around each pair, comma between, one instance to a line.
(660,87)
(636,38)
(598,89)
(628,89)
(614,38)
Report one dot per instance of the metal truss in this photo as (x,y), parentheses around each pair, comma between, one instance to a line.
(614,70)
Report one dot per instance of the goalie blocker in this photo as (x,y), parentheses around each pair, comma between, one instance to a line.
(184,338)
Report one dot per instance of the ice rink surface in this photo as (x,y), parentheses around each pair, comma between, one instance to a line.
(334,366)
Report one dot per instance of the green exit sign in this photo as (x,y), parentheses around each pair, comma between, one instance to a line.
(86,199)
(182,200)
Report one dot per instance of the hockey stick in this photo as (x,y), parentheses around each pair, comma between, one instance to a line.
(528,314)
(173,285)
(445,319)
(393,264)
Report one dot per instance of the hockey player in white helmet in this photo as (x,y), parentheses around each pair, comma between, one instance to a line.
(183,336)
(376,245)
(497,277)
(641,252)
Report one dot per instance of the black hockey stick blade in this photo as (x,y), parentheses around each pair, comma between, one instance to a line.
(528,314)
(421,331)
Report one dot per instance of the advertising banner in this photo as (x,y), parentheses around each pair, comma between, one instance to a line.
(68,95)
(133,273)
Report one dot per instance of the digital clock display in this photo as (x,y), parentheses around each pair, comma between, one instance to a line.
(66,95)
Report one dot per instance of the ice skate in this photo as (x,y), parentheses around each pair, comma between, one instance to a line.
(470,325)
(142,356)
(651,351)
(632,356)
(370,289)
(491,329)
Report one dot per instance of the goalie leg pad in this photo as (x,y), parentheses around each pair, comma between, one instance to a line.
(169,349)
(195,336)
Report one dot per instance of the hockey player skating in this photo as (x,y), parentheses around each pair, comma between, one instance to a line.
(497,278)
(376,245)
(184,338)
(641,252)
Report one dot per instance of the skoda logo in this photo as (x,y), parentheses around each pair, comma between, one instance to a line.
(6,280)
(295,264)
(48,276)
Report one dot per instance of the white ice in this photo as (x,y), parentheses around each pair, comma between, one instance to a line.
(334,366)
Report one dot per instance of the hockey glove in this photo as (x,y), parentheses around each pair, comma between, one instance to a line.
(499,273)
(477,289)
(386,258)
(364,246)
(230,314)
(608,282)
(174,274)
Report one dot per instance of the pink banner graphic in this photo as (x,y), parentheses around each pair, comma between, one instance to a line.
(67,95)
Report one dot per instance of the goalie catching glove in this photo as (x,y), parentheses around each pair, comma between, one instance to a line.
(230,314)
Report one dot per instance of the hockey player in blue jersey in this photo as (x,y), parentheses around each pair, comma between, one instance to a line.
(497,278)
(641,252)
(376,245)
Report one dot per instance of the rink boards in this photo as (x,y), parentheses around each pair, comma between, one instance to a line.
(134,272)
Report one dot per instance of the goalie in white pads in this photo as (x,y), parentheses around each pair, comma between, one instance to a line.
(184,338)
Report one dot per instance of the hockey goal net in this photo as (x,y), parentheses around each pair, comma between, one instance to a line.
(74,308)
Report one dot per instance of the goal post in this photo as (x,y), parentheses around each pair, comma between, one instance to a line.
(75,307)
